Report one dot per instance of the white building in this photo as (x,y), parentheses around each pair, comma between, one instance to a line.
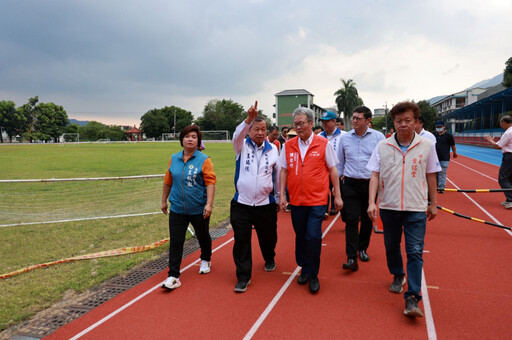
(457,100)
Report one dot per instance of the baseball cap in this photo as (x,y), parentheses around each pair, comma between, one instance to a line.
(439,123)
(328,115)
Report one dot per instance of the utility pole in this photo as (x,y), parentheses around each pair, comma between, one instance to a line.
(386,114)
(174,127)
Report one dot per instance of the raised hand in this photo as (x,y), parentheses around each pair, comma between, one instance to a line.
(252,113)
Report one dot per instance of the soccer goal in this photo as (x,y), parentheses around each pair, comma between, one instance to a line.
(70,138)
(220,135)
(76,199)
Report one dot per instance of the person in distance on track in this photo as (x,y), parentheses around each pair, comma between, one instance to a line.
(189,186)
(403,169)
(505,144)
(283,136)
(444,140)
(333,135)
(255,200)
(273,135)
(422,132)
(307,163)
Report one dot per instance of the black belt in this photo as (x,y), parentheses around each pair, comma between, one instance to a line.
(358,179)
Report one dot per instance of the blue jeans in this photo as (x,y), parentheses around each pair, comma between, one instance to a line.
(441,176)
(307,223)
(413,224)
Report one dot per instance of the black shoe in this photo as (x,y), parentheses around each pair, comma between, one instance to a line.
(441,191)
(351,264)
(397,284)
(333,212)
(411,307)
(364,256)
(314,285)
(303,278)
(270,266)
(241,286)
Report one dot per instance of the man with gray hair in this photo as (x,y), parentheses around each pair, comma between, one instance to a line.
(505,144)
(255,200)
(307,163)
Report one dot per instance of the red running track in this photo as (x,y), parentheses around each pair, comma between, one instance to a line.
(467,288)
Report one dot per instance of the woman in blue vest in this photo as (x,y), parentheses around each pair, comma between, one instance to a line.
(189,186)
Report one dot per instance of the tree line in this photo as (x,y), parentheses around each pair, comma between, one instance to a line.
(217,114)
(47,122)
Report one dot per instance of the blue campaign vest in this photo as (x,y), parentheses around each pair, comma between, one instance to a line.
(188,191)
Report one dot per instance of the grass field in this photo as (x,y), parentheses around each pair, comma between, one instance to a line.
(23,295)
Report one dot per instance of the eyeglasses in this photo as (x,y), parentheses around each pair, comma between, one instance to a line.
(358,118)
(300,124)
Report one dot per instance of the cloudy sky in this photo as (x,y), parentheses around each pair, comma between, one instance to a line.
(112,61)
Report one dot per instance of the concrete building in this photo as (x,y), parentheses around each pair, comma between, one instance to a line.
(288,100)
(457,100)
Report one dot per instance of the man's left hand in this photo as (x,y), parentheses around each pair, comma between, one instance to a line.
(431,212)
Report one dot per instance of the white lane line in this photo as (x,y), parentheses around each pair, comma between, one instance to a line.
(119,310)
(481,208)
(429,319)
(478,172)
(280,293)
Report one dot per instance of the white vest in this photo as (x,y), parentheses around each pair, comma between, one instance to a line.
(403,182)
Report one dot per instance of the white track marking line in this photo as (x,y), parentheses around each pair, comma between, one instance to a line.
(478,172)
(481,208)
(119,310)
(429,319)
(280,293)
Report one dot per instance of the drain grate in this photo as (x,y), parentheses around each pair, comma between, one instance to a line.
(40,327)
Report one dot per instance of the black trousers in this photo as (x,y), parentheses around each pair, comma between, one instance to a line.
(505,175)
(178,225)
(355,198)
(264,219)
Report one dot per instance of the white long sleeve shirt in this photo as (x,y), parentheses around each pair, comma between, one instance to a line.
(257,169)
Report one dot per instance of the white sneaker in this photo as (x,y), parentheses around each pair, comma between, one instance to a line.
(171,283)
(205,267)
(504,203)
(508,205)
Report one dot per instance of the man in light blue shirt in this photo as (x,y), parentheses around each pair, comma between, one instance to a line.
(354,151)
(333,134)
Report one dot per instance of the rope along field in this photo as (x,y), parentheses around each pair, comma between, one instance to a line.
(25,245)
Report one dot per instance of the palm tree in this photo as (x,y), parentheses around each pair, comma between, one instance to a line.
(347,98)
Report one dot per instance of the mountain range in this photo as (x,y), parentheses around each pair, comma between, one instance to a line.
(496,80)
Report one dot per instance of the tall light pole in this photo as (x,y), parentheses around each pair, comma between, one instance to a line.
(386,114)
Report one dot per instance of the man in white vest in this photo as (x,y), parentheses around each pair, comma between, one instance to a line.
(404,170)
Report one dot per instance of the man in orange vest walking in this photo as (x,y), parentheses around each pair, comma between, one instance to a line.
(307,163)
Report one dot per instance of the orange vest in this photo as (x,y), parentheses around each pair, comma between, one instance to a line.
(308,181)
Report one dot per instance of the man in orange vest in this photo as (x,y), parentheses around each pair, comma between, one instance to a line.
(307,163)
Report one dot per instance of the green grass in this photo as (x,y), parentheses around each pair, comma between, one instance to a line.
(24,295)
